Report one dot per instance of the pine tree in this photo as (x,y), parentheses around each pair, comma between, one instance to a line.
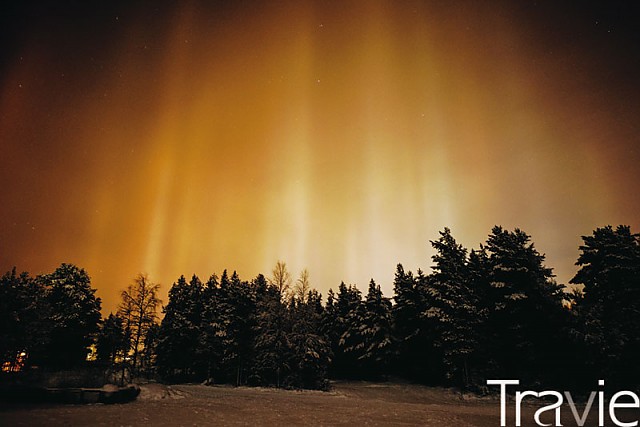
(526,311)
(311,349)
(345,349)
(376,333)
(73,316)
(412,328)
(608,311)
(479,281)
(455,308)
(272,349)
(180,333)
(329,327)
(235,309)
(243,326)
(212,330)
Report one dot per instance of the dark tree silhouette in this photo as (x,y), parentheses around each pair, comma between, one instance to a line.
(302,286)
(376,333)
(272,342)
(413,329)
(139,311)
(454,305)
(525,311)
(73,315)
(238,305)
(212,329)
(495,312)
(180,331)
(281,278)
(310,348)
(480,360)
(609,312)
(23,325)
(112,341)
(343,323)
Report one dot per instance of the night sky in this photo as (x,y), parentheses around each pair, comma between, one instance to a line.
(188,137)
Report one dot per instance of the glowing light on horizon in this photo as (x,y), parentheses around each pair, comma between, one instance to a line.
(336,138)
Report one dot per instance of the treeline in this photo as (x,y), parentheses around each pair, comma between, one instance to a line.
(258,333)
(489,313)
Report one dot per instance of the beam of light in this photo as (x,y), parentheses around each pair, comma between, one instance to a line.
(290,216)
(168,140)
(335,137)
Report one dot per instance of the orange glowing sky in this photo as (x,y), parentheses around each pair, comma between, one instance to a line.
(336,136)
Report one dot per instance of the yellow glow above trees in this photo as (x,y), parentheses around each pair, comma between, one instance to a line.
(338,138)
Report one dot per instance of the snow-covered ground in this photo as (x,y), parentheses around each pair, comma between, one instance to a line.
(349,403)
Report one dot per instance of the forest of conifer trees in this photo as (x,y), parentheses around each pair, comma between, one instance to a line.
(491,312)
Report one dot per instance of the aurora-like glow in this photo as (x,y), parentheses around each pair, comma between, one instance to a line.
(338,137)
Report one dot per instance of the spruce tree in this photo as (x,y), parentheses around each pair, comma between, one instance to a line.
(376,333)
(346,349)
(310,347)
(212,330)
(412,328)
(244,325)
(272,353)
(330,329)
(236,306)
